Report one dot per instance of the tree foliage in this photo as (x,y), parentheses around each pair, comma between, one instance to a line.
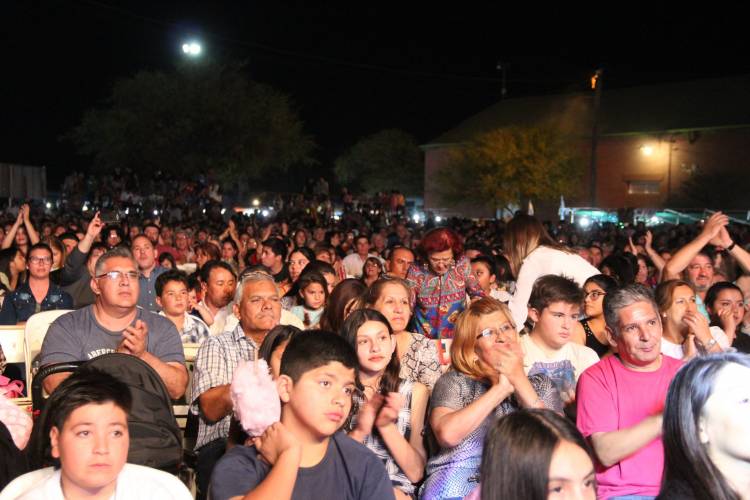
(198,119)
(728,189)
(505,166)
(387,160)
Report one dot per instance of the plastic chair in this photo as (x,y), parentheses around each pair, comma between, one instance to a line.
(34,333)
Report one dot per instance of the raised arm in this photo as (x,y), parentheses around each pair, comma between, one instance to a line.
(724,240)
(11,234)
(681,259)
(659,263)
(33,235)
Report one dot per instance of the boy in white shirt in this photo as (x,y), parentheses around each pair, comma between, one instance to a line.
(555,307)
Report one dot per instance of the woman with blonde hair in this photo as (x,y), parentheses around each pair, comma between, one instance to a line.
(487,382)
(533,253)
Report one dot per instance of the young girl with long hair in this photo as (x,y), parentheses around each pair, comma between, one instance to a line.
(391,410)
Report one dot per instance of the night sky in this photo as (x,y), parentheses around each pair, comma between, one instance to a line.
(351,68)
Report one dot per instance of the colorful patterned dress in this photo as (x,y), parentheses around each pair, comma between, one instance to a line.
(439,299)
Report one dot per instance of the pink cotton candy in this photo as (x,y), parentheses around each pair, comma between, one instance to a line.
(255,397)
(17,421)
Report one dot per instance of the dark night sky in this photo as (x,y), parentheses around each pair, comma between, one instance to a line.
(351,68)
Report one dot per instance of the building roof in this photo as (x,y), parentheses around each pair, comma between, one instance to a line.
(669,107)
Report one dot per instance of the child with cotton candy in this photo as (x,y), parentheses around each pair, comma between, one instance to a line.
(253,391)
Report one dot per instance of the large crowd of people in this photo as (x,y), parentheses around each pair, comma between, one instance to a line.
(491,359)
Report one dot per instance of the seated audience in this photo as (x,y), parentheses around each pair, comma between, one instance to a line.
(306,454)
(115,324)
(592,329)
(621,418)
(172,298)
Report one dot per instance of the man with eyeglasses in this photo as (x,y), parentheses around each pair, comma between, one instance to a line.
(38,293)
(694,262)
(257,306)
(114,323)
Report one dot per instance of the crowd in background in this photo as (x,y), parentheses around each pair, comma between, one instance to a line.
(491,358)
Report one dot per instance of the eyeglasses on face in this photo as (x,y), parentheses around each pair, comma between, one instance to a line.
(118,275)
(40,260)
(594,294)
(497,334)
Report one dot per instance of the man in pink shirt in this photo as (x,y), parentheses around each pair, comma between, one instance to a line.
(621,398)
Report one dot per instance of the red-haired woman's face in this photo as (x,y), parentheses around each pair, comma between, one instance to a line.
(441,262)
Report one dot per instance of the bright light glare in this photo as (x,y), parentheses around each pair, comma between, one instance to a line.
(156,212)
(647,150)
(191,48)
(265,213)
(85,208)
(49,205)
(223,211)
(416,218)
(256,202)
(438,218)
(584,222)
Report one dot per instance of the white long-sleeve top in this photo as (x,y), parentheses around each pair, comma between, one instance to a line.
(541,261)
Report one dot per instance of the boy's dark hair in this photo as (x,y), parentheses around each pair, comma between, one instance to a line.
(308,352)
(274,338)
(86,386)
(489,262)
(194,282)
(68,235)
(37,246)
(278,247)
(319,267)
(214,264)
(553,288)
(166,277)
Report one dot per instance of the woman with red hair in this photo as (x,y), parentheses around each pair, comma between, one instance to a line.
(441,284)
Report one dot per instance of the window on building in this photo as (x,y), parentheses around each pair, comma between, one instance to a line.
(643,187)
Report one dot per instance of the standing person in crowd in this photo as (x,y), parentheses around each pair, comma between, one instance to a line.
(686,331)
(536,455)
(38,293)
(487,381)
(592,329)
(620,418)
(391,411)
(398,261)
(313,294)
(149,270)
(371,270)
(12,267)
(554,308)
(417,355)
(706,429)
(172,298)
(533,253)
(725,303)
(695,261)
(441,284)
(218,283)
(258,308)
(22,233)
(354,262)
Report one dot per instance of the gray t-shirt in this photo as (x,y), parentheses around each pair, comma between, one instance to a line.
(348,471)
(78,336)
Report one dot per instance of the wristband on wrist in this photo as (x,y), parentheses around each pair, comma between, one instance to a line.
(730,247)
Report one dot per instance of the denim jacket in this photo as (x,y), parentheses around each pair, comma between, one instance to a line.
(20,304)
